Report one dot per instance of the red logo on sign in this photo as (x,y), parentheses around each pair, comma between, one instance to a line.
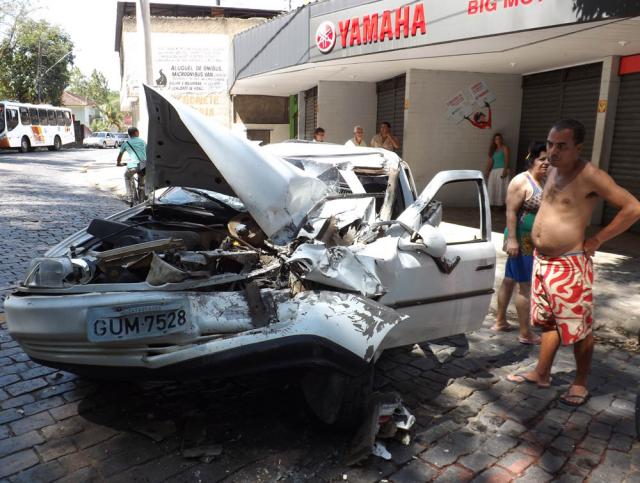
(326,37)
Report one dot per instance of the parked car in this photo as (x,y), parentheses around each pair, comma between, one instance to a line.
(296,255)
(121,137)
(100,140)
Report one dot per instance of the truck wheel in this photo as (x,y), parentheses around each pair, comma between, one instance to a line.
(104,144)
(25,145)
(336,398)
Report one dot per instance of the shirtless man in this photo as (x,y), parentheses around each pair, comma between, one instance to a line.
(561,299)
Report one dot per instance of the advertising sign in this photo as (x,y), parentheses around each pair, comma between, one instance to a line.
(190,67)
(472,104)
(385,25)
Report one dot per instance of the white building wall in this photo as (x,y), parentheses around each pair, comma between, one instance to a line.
(279,132)
(433,142)
(342,105)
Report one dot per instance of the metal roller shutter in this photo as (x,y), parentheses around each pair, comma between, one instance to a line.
(310,112)
(391,105)
(549,96)
(624,165)
(538,105)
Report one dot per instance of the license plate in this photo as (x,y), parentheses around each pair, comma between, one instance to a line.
(109,324)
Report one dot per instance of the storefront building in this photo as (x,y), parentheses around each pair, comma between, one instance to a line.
(447,75)
(191,50)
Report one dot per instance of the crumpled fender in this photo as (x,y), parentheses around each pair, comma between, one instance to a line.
(356,324)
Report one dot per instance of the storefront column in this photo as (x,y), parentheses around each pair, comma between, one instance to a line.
(605,119)
(301,114)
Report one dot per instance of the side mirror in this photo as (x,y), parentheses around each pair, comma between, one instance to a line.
(429,241)
(433,213)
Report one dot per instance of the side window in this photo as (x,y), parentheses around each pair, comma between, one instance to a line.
(52,117)
(462,212)
(67,118)
(12,119)
(42,113)
(25,118)
(33,113)
(60,118)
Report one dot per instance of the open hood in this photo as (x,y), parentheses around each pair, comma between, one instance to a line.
(188,149)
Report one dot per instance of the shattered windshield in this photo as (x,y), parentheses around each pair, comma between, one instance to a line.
(199,197)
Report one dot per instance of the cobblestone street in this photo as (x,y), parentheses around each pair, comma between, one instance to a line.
(472,425)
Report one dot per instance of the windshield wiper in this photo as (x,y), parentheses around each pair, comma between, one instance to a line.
(211,198)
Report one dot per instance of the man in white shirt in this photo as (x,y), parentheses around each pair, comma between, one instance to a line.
(358,138)
(384,138)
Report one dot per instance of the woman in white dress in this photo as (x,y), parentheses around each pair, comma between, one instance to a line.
(497,171)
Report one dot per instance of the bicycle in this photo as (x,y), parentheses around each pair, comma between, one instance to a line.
(135,179)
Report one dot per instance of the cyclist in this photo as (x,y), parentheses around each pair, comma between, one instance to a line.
(137,151)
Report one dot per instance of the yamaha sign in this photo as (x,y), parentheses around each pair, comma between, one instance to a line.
(326,37)
(387,25)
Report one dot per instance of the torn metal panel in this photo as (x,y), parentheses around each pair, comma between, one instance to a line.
(221,312)
(161,273)
(134,251)
(277,194)
(338,267)
(342,212)
(390,194)
(261,309)
(203,260)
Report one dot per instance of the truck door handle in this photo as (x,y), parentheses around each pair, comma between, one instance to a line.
(485,267)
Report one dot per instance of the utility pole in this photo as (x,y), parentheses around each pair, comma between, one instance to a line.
(38,72)
(143,27)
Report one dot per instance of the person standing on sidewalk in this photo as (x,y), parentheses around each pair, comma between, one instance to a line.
(524,196)
(561,300)
(497,171)
(137,151)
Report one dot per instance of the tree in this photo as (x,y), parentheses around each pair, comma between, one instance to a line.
(35,62)
(110,117)
(94,87)
(11,11)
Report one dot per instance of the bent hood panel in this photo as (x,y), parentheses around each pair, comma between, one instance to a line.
(187,149)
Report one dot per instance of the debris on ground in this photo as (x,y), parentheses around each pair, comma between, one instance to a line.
(205,453)
(156,430)
(386,417)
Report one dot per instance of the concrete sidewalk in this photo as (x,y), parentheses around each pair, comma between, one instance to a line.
(105,175)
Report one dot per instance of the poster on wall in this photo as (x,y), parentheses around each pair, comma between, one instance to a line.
(193,68)
(473,105)
(458,107)
(191,63)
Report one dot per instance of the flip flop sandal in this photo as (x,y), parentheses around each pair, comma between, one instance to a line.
(506,328)
(524,379)
(574,400)
(535,340)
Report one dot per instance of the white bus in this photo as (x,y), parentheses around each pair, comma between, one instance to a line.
(27,126)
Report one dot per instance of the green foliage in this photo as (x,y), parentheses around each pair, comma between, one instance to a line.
(35,62)
(95,87)
(10,12)
(100,124)
(111,118)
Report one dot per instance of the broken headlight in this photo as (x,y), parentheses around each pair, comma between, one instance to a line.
(59,272)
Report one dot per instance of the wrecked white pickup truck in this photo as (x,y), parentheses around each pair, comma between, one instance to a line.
(297,255)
